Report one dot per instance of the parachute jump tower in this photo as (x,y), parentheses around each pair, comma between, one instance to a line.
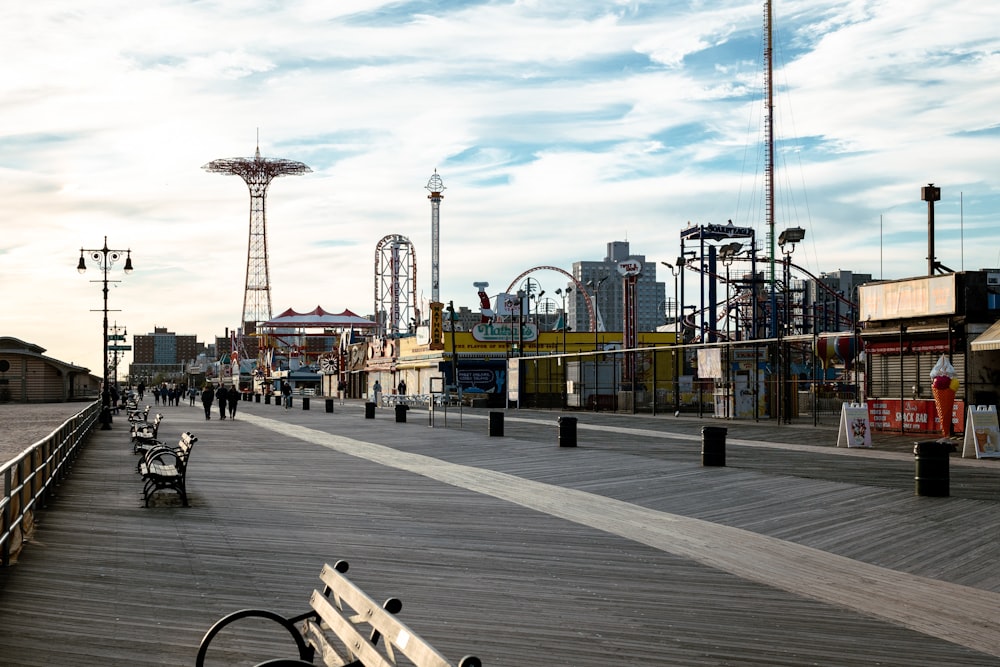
(435,185)
(257,172)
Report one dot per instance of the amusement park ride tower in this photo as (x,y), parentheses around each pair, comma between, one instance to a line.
(435,185)
(258,172)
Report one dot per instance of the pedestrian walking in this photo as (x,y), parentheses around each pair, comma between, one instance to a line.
(192,393)
(342,390)
(207,397)
(221,396)
(401,389)
(377,390)
(286,393)
(233,399)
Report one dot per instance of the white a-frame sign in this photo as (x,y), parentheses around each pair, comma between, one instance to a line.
(982,436)
(855,430)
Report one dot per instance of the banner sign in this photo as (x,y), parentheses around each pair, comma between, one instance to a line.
(912,415)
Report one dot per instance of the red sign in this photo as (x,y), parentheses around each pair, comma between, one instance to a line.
(913,416)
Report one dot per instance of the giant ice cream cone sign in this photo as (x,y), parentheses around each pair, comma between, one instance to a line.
(943,386)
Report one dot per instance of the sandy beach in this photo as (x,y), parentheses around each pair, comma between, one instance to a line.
(22,425)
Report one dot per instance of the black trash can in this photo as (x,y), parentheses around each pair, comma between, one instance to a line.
(256,398)
(369,410)
(267,399)
(567,431)
(329,405)
(713,445)
(931,458)
(305,402)
(401,413)
(496,424)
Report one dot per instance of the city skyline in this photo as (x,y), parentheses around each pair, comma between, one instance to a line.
(556,128)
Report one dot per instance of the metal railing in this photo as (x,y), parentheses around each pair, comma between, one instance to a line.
(30,478)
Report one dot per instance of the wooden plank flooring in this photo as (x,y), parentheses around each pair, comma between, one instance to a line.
(621,551)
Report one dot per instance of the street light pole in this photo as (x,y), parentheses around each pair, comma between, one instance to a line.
(675,270)
(104,258)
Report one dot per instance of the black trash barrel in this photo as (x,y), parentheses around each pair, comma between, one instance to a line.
(713,445)
(496,424)
(931,458)
(329,405)
(401,413)
(256,398)
(369,410)
(305,402)
(267,399)
(567,431)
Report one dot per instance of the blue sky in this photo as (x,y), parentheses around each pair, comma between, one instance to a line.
(557,127)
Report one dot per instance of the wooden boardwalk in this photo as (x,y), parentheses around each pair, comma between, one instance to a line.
(622,551)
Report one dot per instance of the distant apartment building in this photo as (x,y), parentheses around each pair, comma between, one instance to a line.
(161,353)
(831,301)
(605,285)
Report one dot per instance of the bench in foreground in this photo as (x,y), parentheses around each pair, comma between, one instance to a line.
(343,629)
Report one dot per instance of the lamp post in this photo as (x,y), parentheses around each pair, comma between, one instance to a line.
(454,351)
(596,287)
(104,258)
(787,241)
(675,270)
(565,295)
(118,334)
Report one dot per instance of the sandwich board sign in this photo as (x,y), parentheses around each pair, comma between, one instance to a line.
(855,429)
(982,436)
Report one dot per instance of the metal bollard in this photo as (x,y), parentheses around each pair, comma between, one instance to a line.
(932,473)
(305,402)
(567,431)
(713,445)
(329,405)
(267,399)
(369,410)
(496,424)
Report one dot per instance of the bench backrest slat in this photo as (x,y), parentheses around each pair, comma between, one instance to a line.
(361,609)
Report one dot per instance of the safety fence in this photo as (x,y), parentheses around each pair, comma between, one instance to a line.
(30,478)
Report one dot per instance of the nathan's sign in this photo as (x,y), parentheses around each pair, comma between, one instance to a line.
(500,332)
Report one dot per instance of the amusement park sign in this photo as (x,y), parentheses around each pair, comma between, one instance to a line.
(501,332)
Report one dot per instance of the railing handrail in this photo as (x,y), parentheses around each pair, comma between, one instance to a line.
(28,477)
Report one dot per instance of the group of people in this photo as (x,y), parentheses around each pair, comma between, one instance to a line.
(226,398)
(164,394)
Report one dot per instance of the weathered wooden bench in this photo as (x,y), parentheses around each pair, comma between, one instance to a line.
(144,434)
(165,468)
(343,629)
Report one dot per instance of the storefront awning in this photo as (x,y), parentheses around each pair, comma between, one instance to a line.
(988,340)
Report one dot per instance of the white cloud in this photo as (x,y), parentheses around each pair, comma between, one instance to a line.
(557,127)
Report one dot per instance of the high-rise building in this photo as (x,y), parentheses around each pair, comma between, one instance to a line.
(161,352)
(830,301)
(605,284)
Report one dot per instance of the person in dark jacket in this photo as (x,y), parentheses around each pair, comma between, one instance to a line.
(222,395)
(233,398)
(207,397)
